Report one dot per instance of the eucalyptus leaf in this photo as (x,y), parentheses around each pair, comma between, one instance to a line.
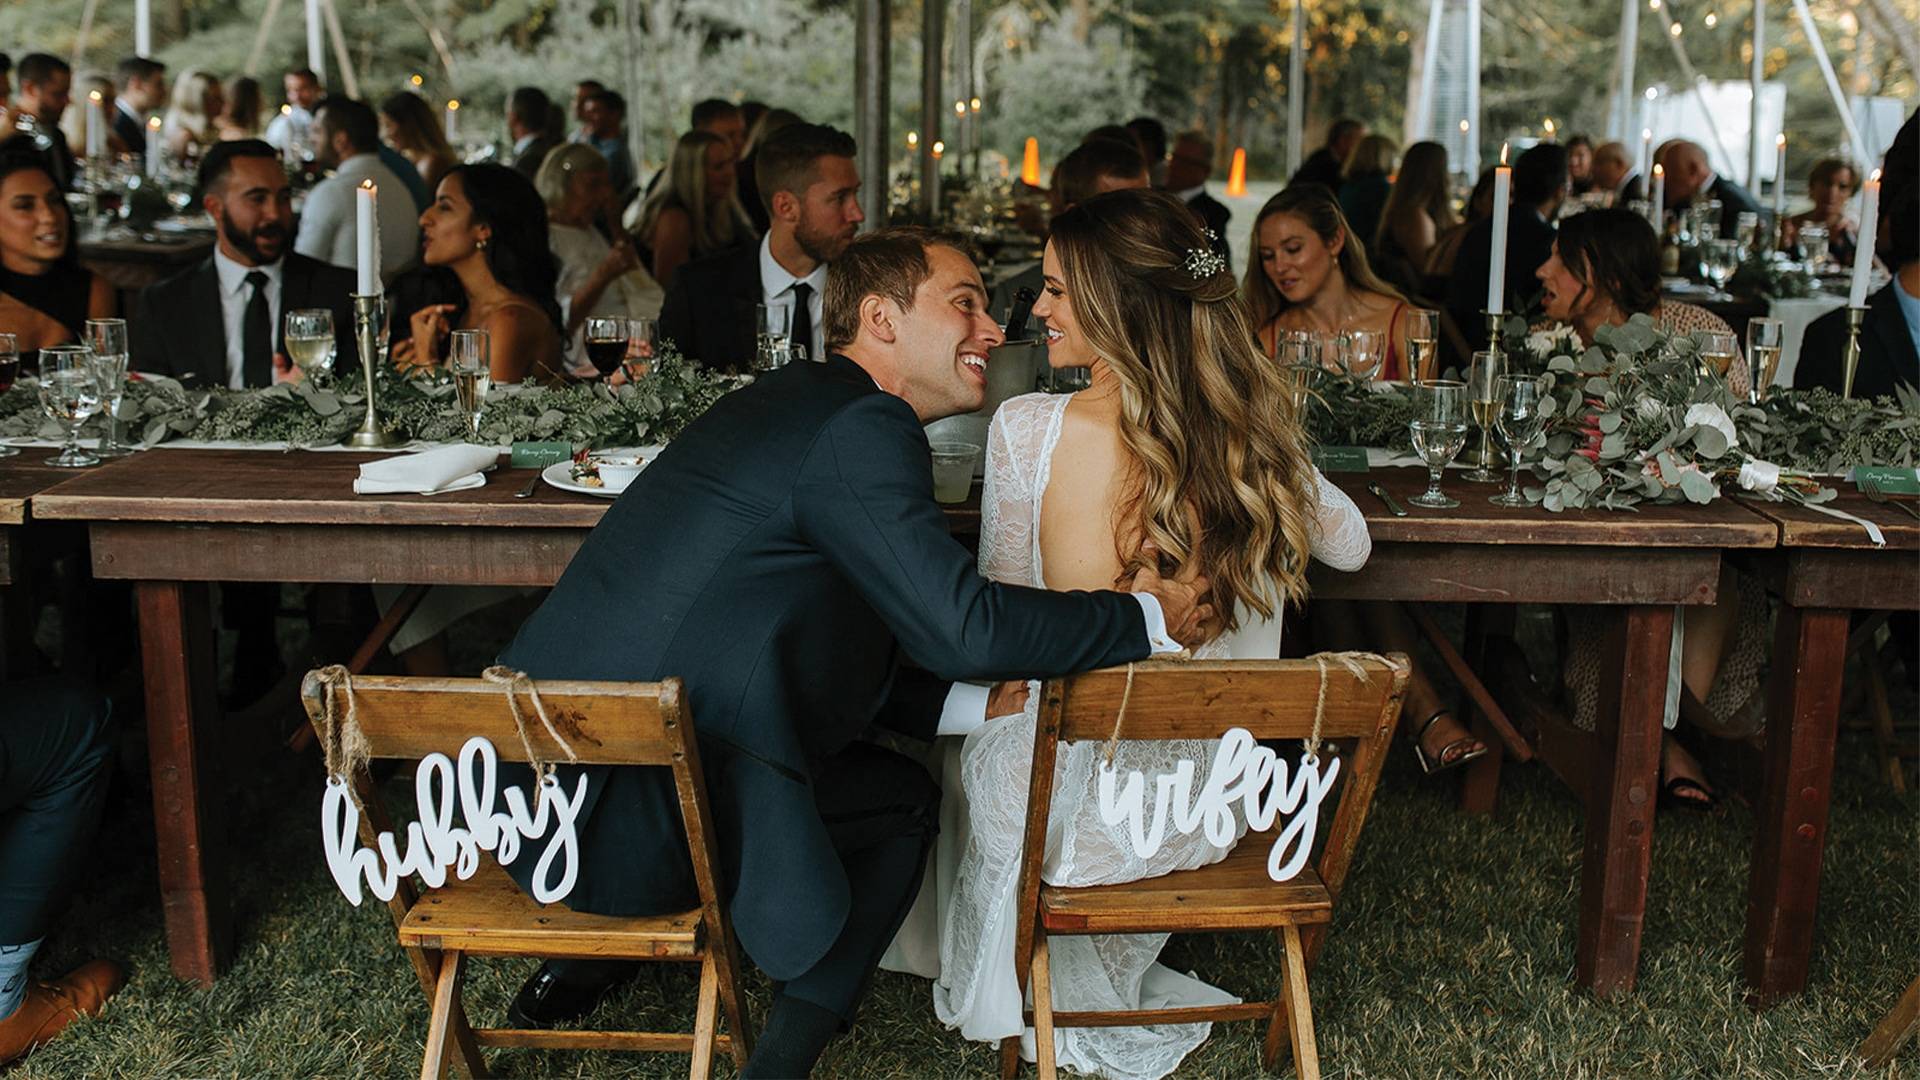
(1610,422)
(1696,487)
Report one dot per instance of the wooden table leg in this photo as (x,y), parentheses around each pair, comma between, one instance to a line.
(176,649)
(1803,710)
(1480,780)
(1619,840)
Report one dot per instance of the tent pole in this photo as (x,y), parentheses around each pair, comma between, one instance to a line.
(1757,78)
(870,107)
(1297,88)
(86,31)
(933,26)
(1429,74)
(1623,105)
(1833,85)
(347,76)
(260,36)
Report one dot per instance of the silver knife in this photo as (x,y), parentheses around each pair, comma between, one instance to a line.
(1393,508)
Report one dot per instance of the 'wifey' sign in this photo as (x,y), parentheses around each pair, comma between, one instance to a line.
(1242,769)
(434,842)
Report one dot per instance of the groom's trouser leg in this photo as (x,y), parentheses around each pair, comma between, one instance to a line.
(882,811)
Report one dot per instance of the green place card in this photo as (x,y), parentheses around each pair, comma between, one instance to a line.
(1332,459)
(1892,481)
(538,455)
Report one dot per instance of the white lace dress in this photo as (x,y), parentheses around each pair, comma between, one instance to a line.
(967,904)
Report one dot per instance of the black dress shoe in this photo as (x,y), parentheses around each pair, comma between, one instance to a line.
(564,990)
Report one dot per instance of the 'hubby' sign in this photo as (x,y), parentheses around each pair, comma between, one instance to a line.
(434,842)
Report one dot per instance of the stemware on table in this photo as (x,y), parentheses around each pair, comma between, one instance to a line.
(1517,420)
(1423,343)
(1483,376)
(1765,339)
(606,341)
(642,342)
(771,343)
(9,371)
(1366,351)
(108,340)
(1717,350)
(70,394)
(470,359)
(308,334)
(1439,430)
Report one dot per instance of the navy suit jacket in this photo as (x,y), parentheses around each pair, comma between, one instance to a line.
(1887,354)
(177,327)
(709,310)
(782,557)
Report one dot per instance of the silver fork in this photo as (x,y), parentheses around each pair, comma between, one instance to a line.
(1870,487)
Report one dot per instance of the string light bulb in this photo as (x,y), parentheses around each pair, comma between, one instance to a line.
(1712,20)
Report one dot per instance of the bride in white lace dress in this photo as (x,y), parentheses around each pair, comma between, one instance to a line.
(1185,439)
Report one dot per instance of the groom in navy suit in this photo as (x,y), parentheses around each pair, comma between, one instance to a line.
(783,557)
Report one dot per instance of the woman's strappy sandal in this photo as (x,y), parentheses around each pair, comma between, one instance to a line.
(1439,762)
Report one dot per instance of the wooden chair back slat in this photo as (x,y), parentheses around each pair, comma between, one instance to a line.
(1272,699)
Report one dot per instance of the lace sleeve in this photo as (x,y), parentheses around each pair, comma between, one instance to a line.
(1340,537)
(1007,497)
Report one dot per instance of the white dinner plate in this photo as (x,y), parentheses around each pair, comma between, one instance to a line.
(560,473)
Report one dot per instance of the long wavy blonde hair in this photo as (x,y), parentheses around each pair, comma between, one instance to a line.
(1222,477)
(716,225)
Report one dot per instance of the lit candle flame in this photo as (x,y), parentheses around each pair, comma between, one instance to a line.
(974,104)
(1874,178)
(153,122)
(94,96)
(1237,174)
(939,147)
(367,185)
(1780,140)
(1659,170)
(453,104)
(1030,163)
(913,139)
(416,79)
(286,110)
(1503,155)
(1463,127)
(959,108)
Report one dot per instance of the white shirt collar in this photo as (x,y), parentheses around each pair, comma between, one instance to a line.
(1191,193)
(121,104)
(233,276)
(775,279)
(520,144)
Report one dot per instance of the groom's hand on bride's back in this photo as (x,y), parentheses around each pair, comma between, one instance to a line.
(1184,602)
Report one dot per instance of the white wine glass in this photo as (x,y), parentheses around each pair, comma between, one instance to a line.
(1517,420)
(1366,351)
(70,394)
(1423,342)
(470,360)
(1483,377)
(9,371)
(1717,351)
(1765,338)
(108,340)
(643,341)
(1439,430)
(308,334)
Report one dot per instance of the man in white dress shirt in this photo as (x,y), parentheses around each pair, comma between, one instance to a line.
(292,127)
(346,140)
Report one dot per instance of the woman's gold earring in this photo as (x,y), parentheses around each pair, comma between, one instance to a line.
(481,243)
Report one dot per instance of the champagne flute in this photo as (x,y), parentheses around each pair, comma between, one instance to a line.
(642,341)
(108,340)
(1366,351)
(470,359)
(1439,430)
(9,371)
(606,338)
(1423,342)
(308,333)
(770,338)
(70,393)
(1717,350)
(1765,338)
(1517,420)
(1483,377)
(1722,261)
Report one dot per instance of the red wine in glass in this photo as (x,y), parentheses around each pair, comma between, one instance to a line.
(606,355)
(9,370)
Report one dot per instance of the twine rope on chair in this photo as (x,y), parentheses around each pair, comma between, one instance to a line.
(343,745)
(1126,695)
(1355,664)
(513,681)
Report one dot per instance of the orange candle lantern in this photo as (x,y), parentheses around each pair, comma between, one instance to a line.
(1237,175)
(1030,163)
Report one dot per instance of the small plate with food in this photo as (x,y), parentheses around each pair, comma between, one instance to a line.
(605,473)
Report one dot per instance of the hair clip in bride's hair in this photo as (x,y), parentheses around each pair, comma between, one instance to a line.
(1203,263)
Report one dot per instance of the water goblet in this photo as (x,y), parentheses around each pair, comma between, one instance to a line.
(1483,376)
(1517,420)
(308,333)
(1366,351)
(70,394)
(108,340)
(470,359)
(642,342)
(770,337)
(1722,260)
(1423,342)
(1814,247)
(1765,339)
(9,371)
(1439,430)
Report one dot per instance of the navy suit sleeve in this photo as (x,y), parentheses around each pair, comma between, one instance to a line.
(864,500)
(146,337)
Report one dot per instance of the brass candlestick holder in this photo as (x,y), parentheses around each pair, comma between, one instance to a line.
(1486,459)
(366,332)
(1856,316)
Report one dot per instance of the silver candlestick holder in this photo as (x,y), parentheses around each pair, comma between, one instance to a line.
(366,332)
(1850,360)
(1487,459)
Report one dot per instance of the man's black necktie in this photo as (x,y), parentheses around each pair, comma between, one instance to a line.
(256,335)
(801,333)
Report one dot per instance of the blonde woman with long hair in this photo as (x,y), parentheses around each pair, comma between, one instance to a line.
(1184,449)
(695,211)
(192,122)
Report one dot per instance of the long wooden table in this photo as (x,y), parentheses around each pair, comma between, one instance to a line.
(1824,569)
(172,520)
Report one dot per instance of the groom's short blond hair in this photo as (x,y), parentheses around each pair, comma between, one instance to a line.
(888,263)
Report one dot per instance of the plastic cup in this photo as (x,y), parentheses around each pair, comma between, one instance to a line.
(953,464)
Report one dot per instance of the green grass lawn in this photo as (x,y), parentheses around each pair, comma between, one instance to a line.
(1451,954)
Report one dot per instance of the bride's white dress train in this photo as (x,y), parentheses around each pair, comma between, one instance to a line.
(961,933)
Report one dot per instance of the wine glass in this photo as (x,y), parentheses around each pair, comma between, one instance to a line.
(70,393)
(1717,350)
(470,359)
(310,342)
(108,340)
(1814,247)
(770,337)
(1423,340)
(1765,338)
(1483,377)
(1722,260)
(606,341)
(1299,375)
(1439,429)
(1517,419)
(1366,351)
(9,371)
(642,341)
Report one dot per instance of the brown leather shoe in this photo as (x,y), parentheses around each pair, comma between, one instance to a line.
(49,1007)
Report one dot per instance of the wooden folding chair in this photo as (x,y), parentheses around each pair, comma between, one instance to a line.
(1271,699)
(605,723)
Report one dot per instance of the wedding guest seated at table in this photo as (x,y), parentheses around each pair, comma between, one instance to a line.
(293,128)
(604,116)
(245,103)
(1307,272)
(529,114)
(596,277)
(1539,187)
(749,188)
(346,139)
(811,189)
(73,123)
(411,127)
(1580,164)
(1324,165)
(1364,187)
(1419,208)
(45,89)
(1890,333)
(221,322)
(56,756)
(1690,177)
(696,211)
(192,121)
(489,267)
(1187,172)
(1152,136)
(1612,174)
(1830,185)
(723,118)
(143,89)
(46,296)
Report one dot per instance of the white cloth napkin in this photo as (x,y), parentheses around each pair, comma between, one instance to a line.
(446,468)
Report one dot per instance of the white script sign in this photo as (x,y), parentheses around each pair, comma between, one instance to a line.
(434,842)
(1242,768)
